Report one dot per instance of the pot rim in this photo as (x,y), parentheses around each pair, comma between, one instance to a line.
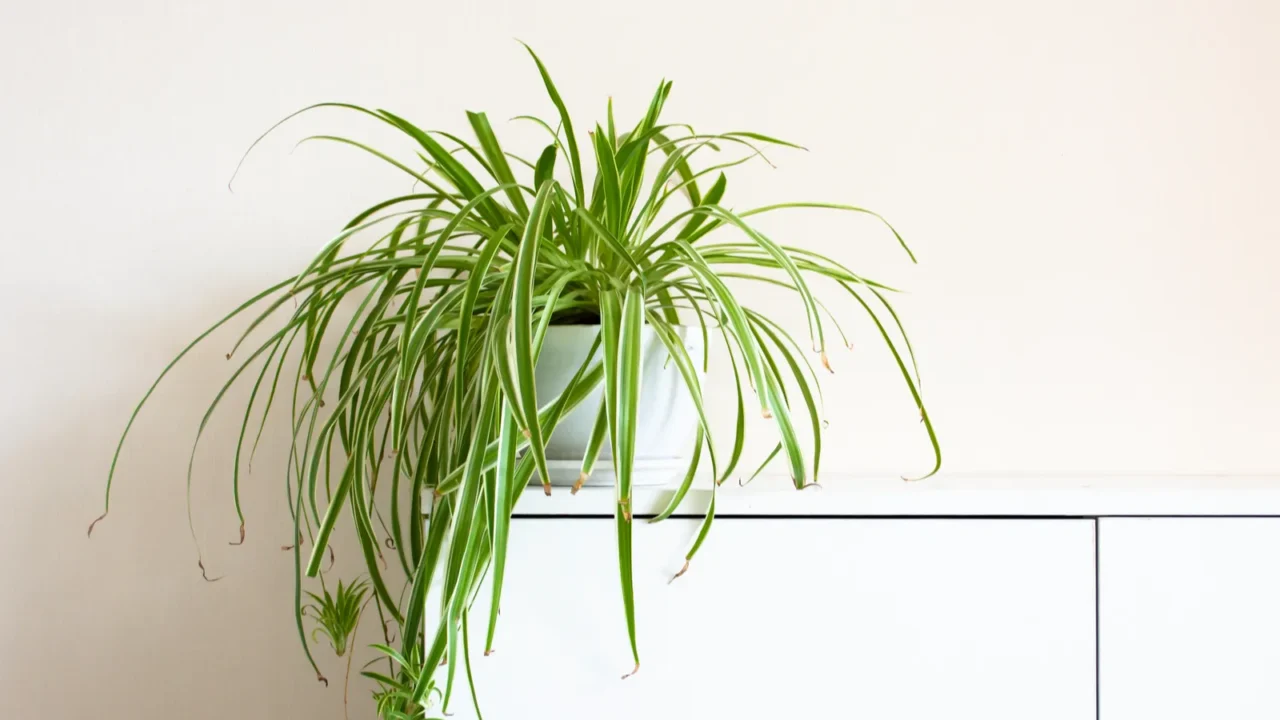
(596,326)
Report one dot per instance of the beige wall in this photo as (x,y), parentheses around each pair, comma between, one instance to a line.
(1090,187)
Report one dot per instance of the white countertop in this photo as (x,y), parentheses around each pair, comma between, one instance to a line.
(964,496)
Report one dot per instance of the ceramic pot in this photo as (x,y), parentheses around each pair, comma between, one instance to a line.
(666,423)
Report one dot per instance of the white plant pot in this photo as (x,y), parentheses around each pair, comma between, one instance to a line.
(666,423)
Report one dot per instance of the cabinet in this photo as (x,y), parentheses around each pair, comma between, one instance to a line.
(805,618)
(1053,599)
(1190,618)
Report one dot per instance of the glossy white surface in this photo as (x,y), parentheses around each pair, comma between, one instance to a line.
(884,619)
(1189,622)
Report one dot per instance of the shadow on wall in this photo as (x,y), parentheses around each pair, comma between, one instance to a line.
(123,625)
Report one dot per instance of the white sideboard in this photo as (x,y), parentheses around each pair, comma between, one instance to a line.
(1049,598)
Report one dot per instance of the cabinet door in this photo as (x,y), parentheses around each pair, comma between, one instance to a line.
(881,619)
(1190,619)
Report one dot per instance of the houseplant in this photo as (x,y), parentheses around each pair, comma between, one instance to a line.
(411,362)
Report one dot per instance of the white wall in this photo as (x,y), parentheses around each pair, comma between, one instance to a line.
(1090,187)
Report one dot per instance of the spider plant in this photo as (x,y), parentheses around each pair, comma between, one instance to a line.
(409,355)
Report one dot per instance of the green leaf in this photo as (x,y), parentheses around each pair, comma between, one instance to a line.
(575,161)
(815,419)
(501,523)
(522,319)
(765,138)
(545,167)
(835,206)
(598,430)
(608,170)
(911,385)
(497,161)
(683,488)
(628,400)
(703,529)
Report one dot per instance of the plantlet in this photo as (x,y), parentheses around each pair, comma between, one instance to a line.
(337,615)
(408,359)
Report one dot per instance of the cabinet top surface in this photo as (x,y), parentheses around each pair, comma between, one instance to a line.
(943,496)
